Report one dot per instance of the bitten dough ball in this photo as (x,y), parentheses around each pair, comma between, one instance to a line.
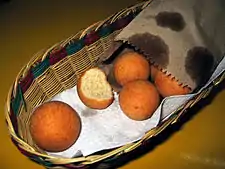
(129,67)
(94,90)
(139,99)
(55,126)
(168,86)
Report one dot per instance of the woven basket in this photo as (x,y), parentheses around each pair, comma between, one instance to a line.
(56,69)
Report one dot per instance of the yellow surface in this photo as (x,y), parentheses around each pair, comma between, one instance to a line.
(28,26)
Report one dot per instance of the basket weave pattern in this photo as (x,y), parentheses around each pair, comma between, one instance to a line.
(56,69)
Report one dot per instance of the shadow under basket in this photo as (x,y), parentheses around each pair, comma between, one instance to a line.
(56,69)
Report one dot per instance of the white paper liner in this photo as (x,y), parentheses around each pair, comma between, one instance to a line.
(103,129)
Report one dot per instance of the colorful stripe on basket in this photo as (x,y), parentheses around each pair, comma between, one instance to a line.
(56,56)
(105,31)
(31,156)
(91,38)
(27,81)
(27,154)
(41,161)
(121,23)
(16,102)
(74,46)
(40,68)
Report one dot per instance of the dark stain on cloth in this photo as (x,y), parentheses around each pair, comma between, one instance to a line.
(152,46)
(199,64)
(172,20)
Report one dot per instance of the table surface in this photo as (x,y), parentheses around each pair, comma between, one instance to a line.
(28,26)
